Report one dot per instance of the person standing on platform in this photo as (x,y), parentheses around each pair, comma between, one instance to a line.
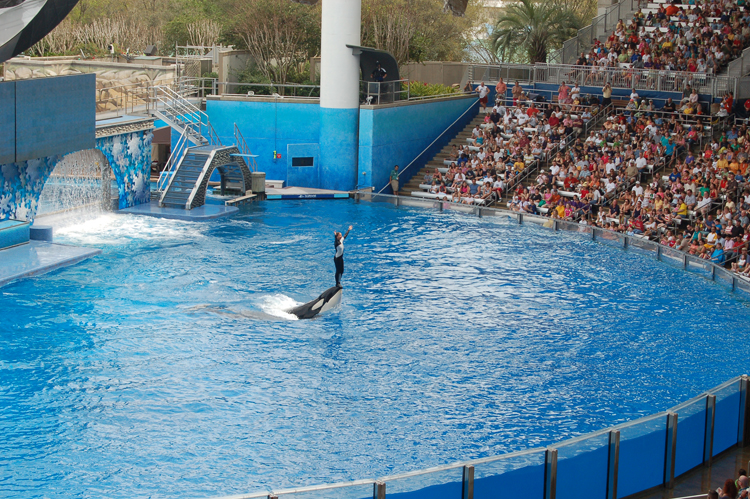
(338,257)
(379,73)
(394,180)
(484,93)
(501,89)
(607,95)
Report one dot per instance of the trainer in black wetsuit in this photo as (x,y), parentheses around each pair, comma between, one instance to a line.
(338,258)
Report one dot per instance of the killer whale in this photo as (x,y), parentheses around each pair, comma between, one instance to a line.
(326,301)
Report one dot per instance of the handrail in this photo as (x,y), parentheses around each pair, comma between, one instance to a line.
(475,103)
(166,174)
(619,77)
(243,147)
(183,111)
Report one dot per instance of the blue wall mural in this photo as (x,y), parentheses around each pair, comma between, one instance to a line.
(129,155)
(22,184)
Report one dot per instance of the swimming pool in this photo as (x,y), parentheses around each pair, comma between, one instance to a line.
(166,365)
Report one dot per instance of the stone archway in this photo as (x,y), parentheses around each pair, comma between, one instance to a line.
(233,166)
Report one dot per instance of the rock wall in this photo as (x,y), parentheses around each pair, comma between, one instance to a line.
(118,85)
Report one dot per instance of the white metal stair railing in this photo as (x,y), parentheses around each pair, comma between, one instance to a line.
(245,152)
(182,115)
(178,151)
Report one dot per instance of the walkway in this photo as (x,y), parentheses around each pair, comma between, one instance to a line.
(702,479)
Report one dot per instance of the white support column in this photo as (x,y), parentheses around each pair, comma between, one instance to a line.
(339,68)
(339,94)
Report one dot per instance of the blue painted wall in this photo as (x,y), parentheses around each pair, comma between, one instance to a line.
(303,176)
(397,135)
(7,122)
(338,149)
(387,136)
(267,127)
(55,116)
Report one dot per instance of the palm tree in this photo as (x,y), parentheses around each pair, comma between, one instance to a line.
(530,28)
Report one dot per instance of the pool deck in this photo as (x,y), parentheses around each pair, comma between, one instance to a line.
(304,193)
(205,212)
(37,258)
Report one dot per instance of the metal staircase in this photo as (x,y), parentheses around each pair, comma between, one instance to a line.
(183,116)
(183,181)
(197,154)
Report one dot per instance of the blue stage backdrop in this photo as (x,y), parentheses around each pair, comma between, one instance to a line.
(388,135)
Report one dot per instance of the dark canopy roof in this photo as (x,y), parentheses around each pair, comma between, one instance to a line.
(369,59)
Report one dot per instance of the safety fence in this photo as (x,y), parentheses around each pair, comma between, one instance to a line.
(618,77)
(613,463)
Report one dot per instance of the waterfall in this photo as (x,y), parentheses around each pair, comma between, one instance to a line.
(78,186)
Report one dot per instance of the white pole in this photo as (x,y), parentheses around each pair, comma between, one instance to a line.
(339,68)
(339,94)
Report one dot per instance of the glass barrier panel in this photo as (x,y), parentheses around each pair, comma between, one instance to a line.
(418,203)
(727,419)
(699,266)
(583,462)
(464,208)
(513,474)
(672,255)
(724,278)
(609,238)
(354,491)
(743,285)
(642,451)
(691,431)
(567,226)
(642,245)
(443,482)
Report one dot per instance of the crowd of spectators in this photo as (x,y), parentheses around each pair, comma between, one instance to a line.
(516,133)
(738,488)
(700,36)
(645,174)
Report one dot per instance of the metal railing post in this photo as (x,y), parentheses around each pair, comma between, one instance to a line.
(742,433)
(671,450)
(468,480)
(550,474)
(613,463)
(658,252)
(378,490)
(708,442)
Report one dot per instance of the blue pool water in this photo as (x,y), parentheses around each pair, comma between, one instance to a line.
(167,367)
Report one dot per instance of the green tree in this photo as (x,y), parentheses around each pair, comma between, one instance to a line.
(280,35)
(528,29)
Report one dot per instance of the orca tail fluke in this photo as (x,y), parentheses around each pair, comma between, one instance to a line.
(323,303)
